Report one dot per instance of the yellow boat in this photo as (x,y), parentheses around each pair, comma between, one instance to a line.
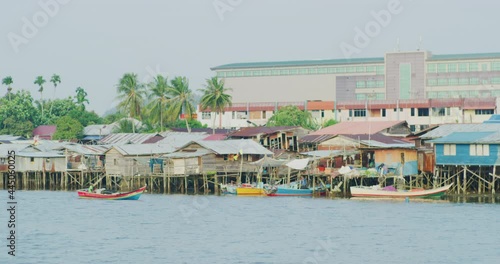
(249,190)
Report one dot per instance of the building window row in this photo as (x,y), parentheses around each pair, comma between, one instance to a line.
(463,67)
(450,150)
(462,81)
(378,69)
(463,94)
(370,84)
(479,150)
(484,111)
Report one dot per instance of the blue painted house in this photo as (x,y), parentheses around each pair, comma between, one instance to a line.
(468,148)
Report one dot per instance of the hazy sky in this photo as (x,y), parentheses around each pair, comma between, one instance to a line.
(91,43)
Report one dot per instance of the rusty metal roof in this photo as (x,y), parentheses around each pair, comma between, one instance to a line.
(315,138)
(357,127)
(254,131)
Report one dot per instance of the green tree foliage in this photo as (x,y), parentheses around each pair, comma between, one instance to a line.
(111,118)
(181,101)
(8,82)
(40,81)
(292,116)
(158,97)
(216,98)
(18,116)
(67,129)
(55,80)
(131,94)
(127,126)
(193,123)
(329,122)
(81,98)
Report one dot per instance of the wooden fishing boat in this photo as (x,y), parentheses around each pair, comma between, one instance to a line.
(287,191)
(133,195)
(378,192)
(247,189)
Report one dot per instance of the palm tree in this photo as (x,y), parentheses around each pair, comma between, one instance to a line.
(81,97)
(8,81)
(55,79)
(40,81)
(158,99)
(215,98)
(131,93)
(181,100)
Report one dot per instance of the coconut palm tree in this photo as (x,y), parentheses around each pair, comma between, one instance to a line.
(40,81)
(215,98)
(55,80)
(181,100)
(158,99)
(8,81)
(131,93)
(81,97)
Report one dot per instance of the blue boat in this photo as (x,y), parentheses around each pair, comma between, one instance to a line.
(289,190)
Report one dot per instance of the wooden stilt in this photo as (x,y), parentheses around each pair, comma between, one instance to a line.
(494,177)
(185,184)
(216,184)
(465,181)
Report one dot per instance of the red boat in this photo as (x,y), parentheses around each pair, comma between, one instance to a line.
(133,195)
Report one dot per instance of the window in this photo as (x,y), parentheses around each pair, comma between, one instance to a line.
(441,67)
(284,72)
(351,69)
(380,70)
(439,111)
(452,67)
(423,111)
(453,81)
(382,112)
(463,67)
(473,66)
(115,162)
(474,80)
(360,84)
(412,128)
(263,114)
(322,113)
(431,68)
(221,74)
(495,66)
(432,82)
(484,67)
(463,81)
(442,82)
(360,69)
(370,69)
(359,112)
(479,150)
(484,111)
(450,150)
(32,159)
(412,111)
(206,115)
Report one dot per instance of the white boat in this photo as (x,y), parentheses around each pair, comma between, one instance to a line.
(379,192)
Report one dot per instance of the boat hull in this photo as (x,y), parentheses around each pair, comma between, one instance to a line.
(249,191)
(133,195)
(379,193)
(283,191)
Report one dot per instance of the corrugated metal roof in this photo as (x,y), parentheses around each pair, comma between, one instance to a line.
(44,132)
(5,148)
(188,154)
(469,138)
(86,149)
(315,138)
(10,138)
(254,131)
(179,139)
(446,129)
(42,154)
(329,153)
(273,64)
(229,146)
(144,149)
(357,127)
(126,138)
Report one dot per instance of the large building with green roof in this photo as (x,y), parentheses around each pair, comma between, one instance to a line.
(397,75)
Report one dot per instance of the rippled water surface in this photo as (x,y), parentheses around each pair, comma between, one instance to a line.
(57,227)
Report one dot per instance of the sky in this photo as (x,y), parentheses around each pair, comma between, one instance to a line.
(91,43)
